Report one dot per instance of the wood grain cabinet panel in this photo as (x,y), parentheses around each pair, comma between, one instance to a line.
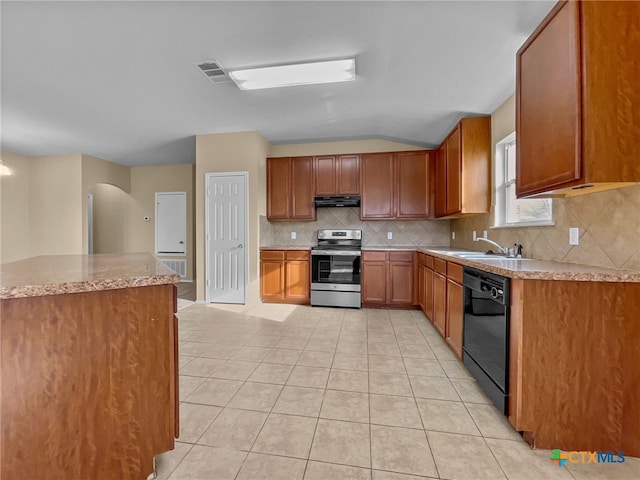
(428,293)
(588,334)
(576,88)
(388,278)
(374,282)
(88,383)
(278,188)
(400,281)
(440,303)
(272,280)
(290,188)
(377,172)
(412,187)
(463,169)
(455,316)
(348,175)
(302,207)
(395,185)
(325,172)
(337,175)
(285,276)
(440,207)
(454,172)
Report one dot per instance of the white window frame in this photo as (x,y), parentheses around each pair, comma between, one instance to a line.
(500,190)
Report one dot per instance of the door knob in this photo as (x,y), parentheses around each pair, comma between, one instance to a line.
(240,246)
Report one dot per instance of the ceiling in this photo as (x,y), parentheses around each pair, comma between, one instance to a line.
(118,80)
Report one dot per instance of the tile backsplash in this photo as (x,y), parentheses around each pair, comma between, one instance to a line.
(609,224)
(374,233)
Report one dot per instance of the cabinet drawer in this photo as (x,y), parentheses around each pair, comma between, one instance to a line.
(428,261)
(368,256)
(454,272)
(422,259)
(272,255)
(297,255)
(440,266)
(401,256)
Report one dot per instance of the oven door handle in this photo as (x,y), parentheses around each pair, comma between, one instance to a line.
(345,253)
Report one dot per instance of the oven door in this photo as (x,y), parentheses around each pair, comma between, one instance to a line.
(339,269)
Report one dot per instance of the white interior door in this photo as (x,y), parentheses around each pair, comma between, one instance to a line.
(171,223)
(226,236)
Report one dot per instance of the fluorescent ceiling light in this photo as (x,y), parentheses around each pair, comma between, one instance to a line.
(297,74)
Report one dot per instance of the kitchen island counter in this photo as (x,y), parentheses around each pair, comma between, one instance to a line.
(89,366)
(60,274)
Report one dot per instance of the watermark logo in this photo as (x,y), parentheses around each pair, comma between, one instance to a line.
(586,457)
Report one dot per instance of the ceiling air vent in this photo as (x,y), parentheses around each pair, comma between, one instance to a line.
(213,71)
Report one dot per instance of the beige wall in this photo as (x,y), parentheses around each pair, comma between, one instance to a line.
(97,171)
(145,182)
(330,148)
(14,208)
(232,152)
(55,205)
(609,221)
(111,208)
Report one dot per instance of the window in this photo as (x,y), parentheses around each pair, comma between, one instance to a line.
(509,211)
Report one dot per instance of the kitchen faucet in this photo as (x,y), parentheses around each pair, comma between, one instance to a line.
(510,252)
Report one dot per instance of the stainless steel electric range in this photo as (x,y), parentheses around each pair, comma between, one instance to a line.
(335,269)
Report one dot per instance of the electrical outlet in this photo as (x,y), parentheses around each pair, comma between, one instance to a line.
(574,236)
(484,234)
(475,236)
(453,235)
(294,235)
(389,235)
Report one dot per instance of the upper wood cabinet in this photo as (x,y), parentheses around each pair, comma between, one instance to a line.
(337,175)
(463,169)
(577,100)
(290,188)
(395,185)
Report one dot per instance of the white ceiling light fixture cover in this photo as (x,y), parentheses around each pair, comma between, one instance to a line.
(295,74)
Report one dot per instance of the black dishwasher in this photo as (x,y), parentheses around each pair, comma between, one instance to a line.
(485,350)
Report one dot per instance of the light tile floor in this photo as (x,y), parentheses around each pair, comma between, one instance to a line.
(285,392)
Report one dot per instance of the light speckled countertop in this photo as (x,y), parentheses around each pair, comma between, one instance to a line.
(534,269)
(59,274)
(287,247)
(526,268)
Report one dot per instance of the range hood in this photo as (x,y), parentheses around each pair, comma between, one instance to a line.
(338,201)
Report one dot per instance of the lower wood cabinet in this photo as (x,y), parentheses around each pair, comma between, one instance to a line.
(441,297)
(285,276)
(455,307)
(440,303)
(388,278)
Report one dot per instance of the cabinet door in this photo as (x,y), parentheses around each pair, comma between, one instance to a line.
(296,283)
(374,282)
(440,303)
(377,186)
(454,172)
(412,185)
(325,171)
(302,207)
(428,294)
(440,208)
(400,282)
(455,316)
(348,175)
(278,188)
(272,281)
(421,287)
(548,91)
